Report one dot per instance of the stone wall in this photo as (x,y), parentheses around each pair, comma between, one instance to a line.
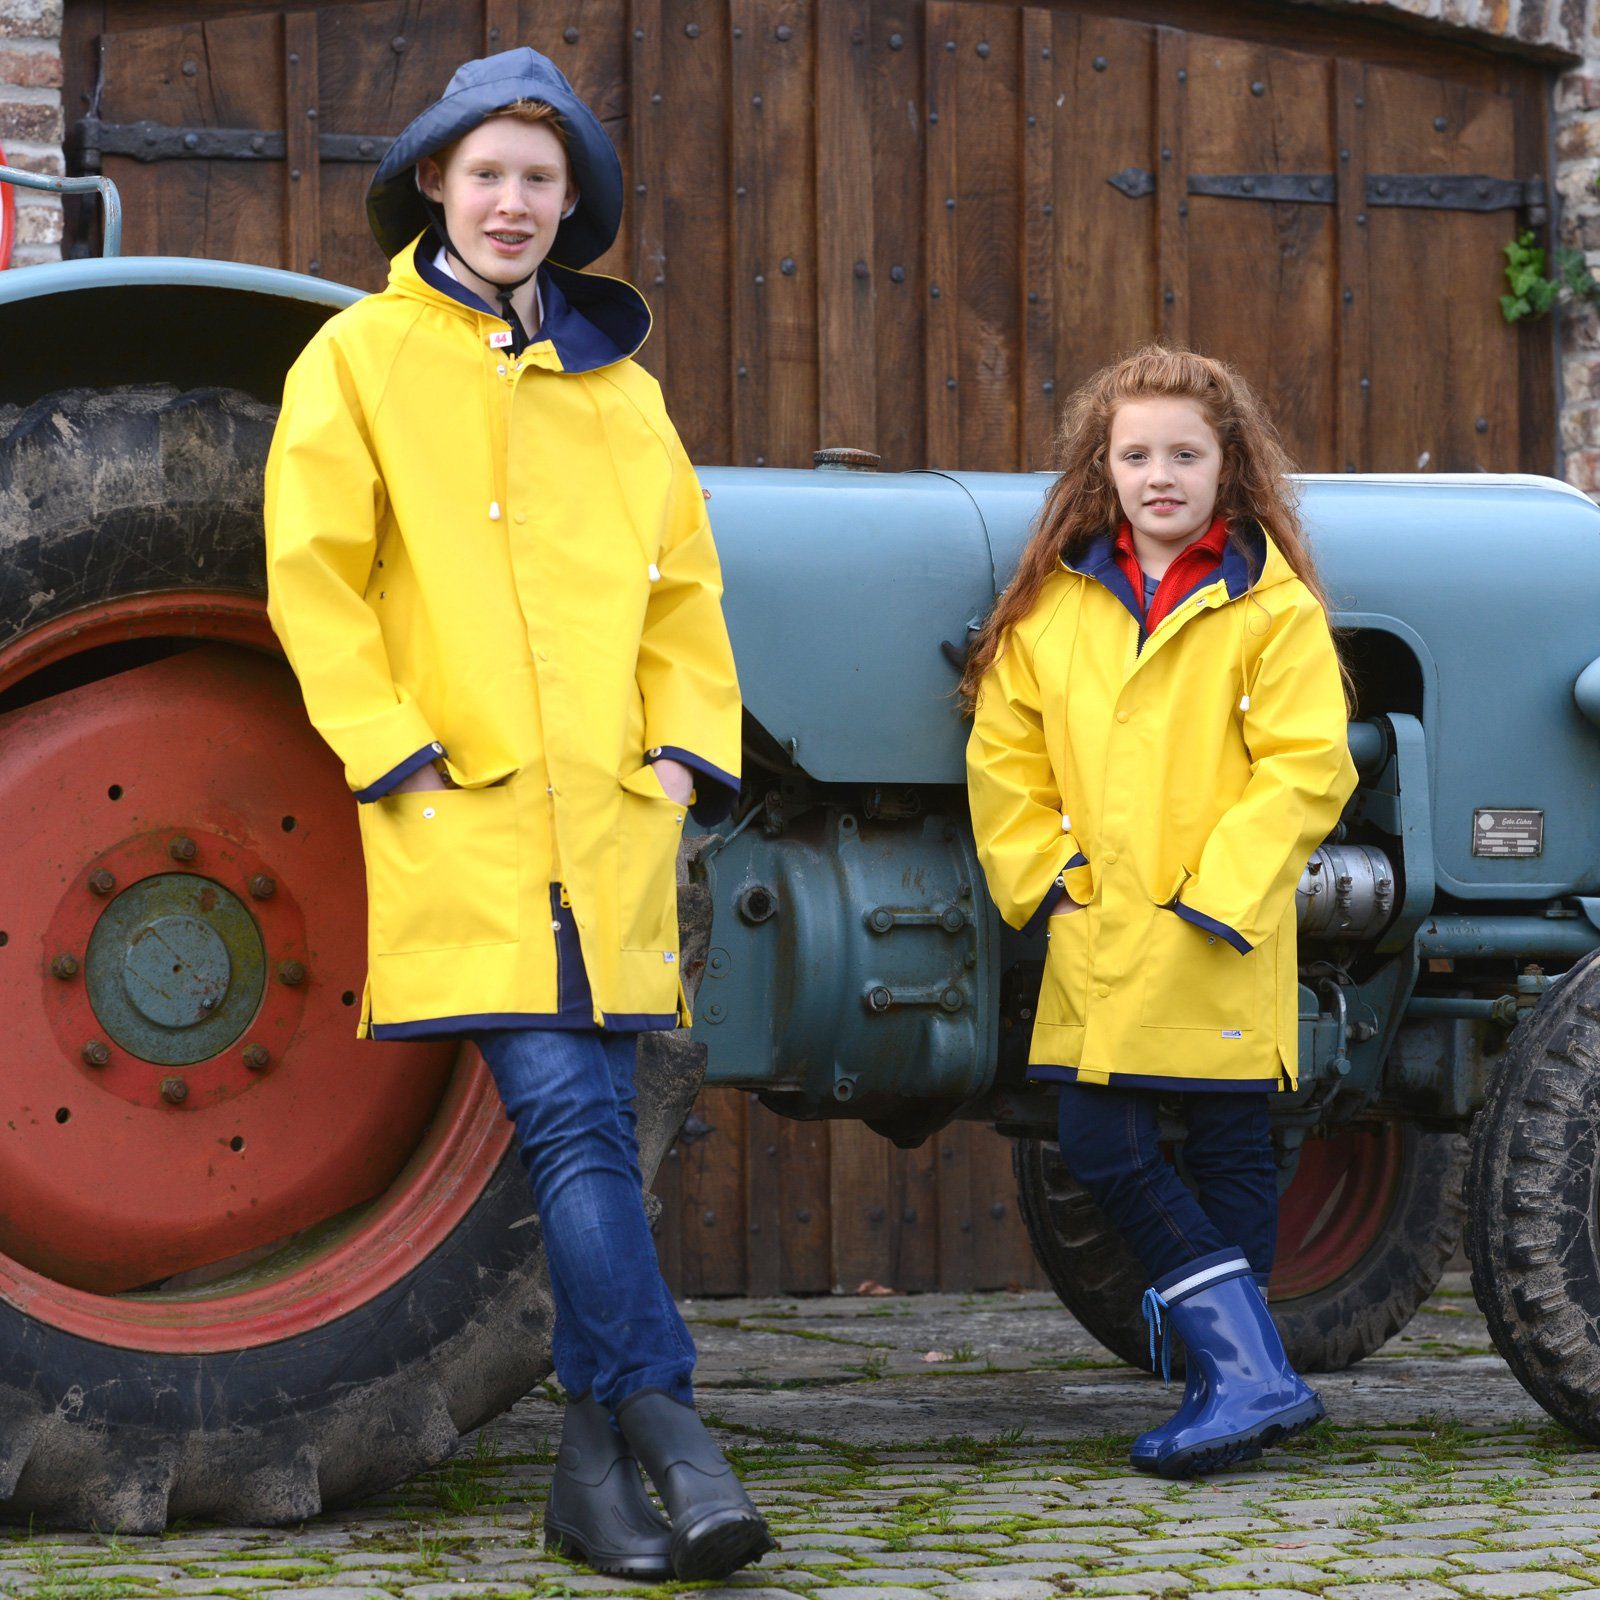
(31,118)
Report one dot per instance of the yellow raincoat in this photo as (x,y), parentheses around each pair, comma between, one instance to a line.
(504,562)
(1177,791)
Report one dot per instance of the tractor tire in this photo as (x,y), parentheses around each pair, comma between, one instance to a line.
(244,1274)
(1338,1292)
(1533,1236)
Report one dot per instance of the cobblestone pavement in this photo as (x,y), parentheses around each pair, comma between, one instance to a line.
(999,1473)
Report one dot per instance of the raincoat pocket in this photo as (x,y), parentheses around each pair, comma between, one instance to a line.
(1194,979)
(441,869)
(649,828)
(1064,994)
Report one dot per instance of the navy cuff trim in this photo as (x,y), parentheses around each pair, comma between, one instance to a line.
(398,775)
(1211,925)
(1221,1266)
(1048,1072)
(1035,923)
(541,1021)
(708,808)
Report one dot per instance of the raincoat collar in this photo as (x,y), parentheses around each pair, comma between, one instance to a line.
(1249,561)
(590,320)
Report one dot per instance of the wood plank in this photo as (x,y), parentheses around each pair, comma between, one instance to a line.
(859,1192)
(1104,124)
(958,1266)
(942,445)
(1172,196)
(708,1200)
(648,168)
(1262,276)
(763,1206)
(804,1162)
(1355,321)
(502,26)
(1441,352)
(846,286)
(772,123)
(302,166)
(914,1214)
(1002,1254)
(1043,65)
(899,122)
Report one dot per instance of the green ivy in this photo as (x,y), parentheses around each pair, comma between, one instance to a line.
(1533,292)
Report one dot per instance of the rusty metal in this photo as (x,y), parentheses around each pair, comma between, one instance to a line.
(292,973)
(102,882)
(159,141)
(257,1057)
(844,458)
(262,887)
(174,1091)
(183,848)
(65,966)
(97,1053)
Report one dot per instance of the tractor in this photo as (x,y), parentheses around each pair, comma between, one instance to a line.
(249,1269)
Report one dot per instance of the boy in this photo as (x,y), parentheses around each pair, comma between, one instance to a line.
(490,567)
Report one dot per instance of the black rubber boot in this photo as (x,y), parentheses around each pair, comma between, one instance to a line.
(599,1511)
(715,1528)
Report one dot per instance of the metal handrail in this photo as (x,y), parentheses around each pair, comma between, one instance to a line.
(104,187)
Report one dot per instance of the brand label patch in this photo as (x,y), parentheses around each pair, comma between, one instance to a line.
(500,340)
(1233,1033)
(1507,833)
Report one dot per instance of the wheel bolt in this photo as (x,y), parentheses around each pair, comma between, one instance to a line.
(101,882)
(291,973)
(65,966)
(257,1057)
(174,1091)
(96,1053)
(182,849)
(262,887)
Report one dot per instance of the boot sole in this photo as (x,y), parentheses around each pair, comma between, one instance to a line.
(719,1545)
(569,1545)
(1228,1451)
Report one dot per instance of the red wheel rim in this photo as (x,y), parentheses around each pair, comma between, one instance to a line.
(1337,1208)
(188,909)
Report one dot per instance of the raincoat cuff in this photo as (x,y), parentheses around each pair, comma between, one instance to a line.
(1211,925)
(1058,887)
(714,796)
(398,775)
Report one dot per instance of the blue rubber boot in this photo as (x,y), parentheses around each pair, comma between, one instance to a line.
(1148,1445)
(1253,1397)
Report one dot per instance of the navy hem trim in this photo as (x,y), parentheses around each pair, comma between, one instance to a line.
(1233,1257)
(545,1021)
(1041,913)
(715,806)
(1048,1072)
(1211,925)
(398,775)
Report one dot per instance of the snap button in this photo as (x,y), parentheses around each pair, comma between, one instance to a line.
(438,749)
(427,811)
(1111,858)
(1061,880)
(521,516)
(501,369)
(555,924)
(1102,991)
(1211,938)
(1122,716)
(654,753)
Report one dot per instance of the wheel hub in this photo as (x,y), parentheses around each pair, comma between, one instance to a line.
(176,969)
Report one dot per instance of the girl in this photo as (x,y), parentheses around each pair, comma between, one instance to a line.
(1159,744)
(490,566)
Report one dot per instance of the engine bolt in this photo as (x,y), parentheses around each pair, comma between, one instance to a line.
(291,973)
(262,887)
(174,1091)
(880,999)
(182,849)
(101,882)
(96,1053)
(257,1057)
(65,966)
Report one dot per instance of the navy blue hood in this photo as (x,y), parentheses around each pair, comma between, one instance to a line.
(395,208)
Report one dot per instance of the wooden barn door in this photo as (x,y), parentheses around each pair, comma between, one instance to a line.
(910,226)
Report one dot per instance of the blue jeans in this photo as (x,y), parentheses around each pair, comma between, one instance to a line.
(570,1097)
(1108,1143)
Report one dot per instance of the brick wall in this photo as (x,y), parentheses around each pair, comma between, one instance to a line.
(31,118)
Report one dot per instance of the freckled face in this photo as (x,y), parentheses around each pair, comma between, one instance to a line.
(503,192)
(1165,462)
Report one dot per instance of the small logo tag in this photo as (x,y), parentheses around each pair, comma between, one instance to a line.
(1233,1033)
(668,956)
(500,340)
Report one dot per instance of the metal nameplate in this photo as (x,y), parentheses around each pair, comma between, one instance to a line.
(1507,833)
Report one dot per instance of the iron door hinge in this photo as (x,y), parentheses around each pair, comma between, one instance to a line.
(158,141)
